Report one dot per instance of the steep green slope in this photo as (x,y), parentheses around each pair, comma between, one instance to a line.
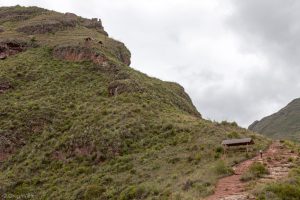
(76,122)
(285,124)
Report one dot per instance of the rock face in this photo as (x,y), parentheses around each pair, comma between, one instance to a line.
(19,13)
(87,52)
(45,24)
(123,54)
(48,26)
(94,23)
(285,124)
(1,29)
(11,47)
(79,53)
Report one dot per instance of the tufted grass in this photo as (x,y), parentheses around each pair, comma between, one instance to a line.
(72,140)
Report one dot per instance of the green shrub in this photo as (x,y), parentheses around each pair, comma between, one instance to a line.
(281,191)
(233,124)
(173,160)
(222,169)
(219,150)
(217,155)
(256,170)
(197,157)
(247,176)
(247,156)
(233,135)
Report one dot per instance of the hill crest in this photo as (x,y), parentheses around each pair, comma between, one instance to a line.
(284,124)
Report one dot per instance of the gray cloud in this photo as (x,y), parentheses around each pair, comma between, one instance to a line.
(270,28)
(238,60)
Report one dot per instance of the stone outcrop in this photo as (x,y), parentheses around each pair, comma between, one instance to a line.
(51,22)
(94,24)
(79,53)
(18,13)
(48,26)
(87,52)
(1,29)
(11,47)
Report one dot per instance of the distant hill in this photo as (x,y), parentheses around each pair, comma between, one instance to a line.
(285,124)
(76,122)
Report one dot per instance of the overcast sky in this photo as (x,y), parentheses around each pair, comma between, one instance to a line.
(238,60)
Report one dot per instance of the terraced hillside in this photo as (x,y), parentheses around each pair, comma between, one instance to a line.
(76,122)
(285,124)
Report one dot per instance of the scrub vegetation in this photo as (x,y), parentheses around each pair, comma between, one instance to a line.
(284,189)
(85,125)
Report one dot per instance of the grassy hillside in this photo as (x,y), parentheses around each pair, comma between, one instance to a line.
(76,122)
(285,124)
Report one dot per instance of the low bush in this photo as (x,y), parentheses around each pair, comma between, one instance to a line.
(256,170)
(281,191)
(233,134)
(222,169)
(219,150)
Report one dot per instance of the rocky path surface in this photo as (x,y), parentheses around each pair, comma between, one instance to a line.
(276,158)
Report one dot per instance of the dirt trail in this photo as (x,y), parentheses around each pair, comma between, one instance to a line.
(275,157)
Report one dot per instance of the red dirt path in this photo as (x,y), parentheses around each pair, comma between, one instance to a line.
(232,185)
